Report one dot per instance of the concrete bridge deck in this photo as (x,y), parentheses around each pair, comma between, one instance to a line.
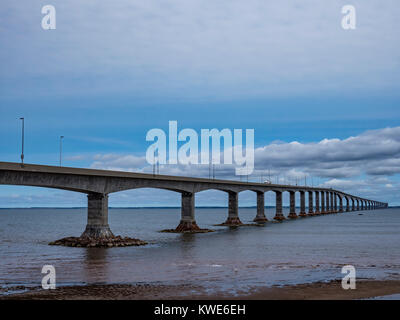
(98,184)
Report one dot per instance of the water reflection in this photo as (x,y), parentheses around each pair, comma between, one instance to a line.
(96,266)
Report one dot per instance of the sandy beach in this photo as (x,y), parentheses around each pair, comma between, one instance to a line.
(313,291)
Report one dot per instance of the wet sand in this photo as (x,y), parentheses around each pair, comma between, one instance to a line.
(313,291)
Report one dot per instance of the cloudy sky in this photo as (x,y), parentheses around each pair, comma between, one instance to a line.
(324,102)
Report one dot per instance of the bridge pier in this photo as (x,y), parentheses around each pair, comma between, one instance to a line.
(292,213)
(333,203)
(98,232)
(323,207)
(302,204)
(233,211)
(317,206)
(310,203)
(188,222)
(97,222)
(260,217)
(328,205)
(278,204)
(334,200)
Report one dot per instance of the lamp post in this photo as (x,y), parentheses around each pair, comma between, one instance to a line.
(61,138)
(23,138)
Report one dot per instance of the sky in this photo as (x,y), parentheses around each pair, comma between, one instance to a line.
(324,102)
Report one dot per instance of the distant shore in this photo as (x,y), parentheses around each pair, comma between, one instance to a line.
(312,291)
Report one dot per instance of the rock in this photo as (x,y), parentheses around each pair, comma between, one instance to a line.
(90,242)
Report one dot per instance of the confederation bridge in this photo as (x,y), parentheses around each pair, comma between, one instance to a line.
(98,184)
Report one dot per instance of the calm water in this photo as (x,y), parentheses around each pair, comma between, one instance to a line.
(298,251)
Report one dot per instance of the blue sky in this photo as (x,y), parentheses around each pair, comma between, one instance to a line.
(112,71)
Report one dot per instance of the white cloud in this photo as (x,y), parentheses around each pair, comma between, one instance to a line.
(375,153)
(118,162)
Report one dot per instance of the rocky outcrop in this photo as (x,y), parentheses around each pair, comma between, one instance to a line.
(187,227)
(232,222)
(88,242)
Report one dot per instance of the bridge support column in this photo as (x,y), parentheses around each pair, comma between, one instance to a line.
(335,206)
(97,232)
(303,204)
(292,213)
(340,204)
(353,204)
(328,204)
(358,205)
(260,217)
(233,211)
(310,203)
(97,223)
(317,207)
(323,208)
(188,222)
(279,215)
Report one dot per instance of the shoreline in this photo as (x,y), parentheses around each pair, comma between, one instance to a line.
(309,291)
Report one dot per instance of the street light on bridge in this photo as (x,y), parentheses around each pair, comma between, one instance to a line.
(61,138)
(23,138)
